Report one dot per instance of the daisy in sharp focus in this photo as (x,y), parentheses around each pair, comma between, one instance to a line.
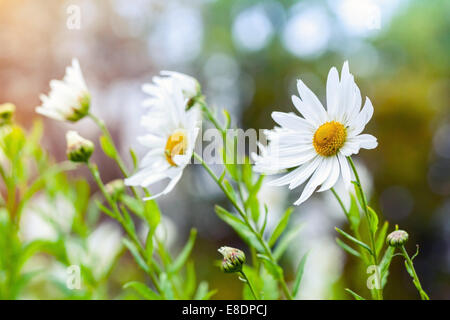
(68,99)
(172,131)
(316,145)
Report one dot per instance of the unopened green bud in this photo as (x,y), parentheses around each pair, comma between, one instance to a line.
(233,259)
(6,113)
(115,188)
(78,148)
(397,238)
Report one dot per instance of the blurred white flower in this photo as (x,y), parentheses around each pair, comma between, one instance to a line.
(317,144)
(172,131)
(99,250)
(46,219)
(166,232)
(68,99)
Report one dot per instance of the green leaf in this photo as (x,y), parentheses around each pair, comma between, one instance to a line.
(273,268)
(354,294)
(166,286)
(381,237)
(373,217)
(184,254)
(282,224)
(143,290)
(135,253)
(230,189)
(385,263)
(203,293)
(353,239)
(285,241)
(190,282)
(299,274)
(107,147)
(240,227)
(348,248)
(353,214)
(134,158)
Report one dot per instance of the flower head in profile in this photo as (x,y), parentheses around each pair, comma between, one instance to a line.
(316,145)
(171,133)
(68,99)
(188,85)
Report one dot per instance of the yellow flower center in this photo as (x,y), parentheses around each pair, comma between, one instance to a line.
(176,145)
(329,138)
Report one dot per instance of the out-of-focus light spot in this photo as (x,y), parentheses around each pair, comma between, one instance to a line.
(221,73)
(439,177)
(307,32)
(178,36)
(360,16)
(396,202)
(363,58)
(441,141)
(364,17)
(252,29)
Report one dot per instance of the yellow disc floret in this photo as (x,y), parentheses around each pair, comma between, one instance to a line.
(329,138)
(176,145)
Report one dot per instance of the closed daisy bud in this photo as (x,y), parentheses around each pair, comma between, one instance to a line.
(69,99)
(78,148)
(397,238)
(6,113)
(233,259)
(115,188)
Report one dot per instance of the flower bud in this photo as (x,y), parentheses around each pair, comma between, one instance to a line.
(397,238)
(6,113)
(233,259)
(115,188)
(78,148)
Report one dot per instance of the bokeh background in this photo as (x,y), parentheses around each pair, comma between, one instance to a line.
(247,55)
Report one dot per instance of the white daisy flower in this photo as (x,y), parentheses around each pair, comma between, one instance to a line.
(68,99)
(172,131)
(188,85)
(317,144)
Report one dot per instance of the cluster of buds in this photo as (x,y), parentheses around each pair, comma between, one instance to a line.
(79,149)
(397,238)
(233,259)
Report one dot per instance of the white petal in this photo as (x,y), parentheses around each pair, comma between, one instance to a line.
(292,122)
(319,176)
(360,121)
(333,176)
(307,171)
(168,188)
(367,141)
(345,170)
(332,92)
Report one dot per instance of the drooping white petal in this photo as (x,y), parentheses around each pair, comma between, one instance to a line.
(345,170)
(333,177)
(319,176)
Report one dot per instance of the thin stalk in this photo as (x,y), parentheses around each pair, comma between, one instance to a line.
(366,212)
(249,285)
(244,216)
(95,173)
(416,280)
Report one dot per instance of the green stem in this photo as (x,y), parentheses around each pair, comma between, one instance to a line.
(416,280)
(371,234)
(249,284)
(244,216)
(95,173)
